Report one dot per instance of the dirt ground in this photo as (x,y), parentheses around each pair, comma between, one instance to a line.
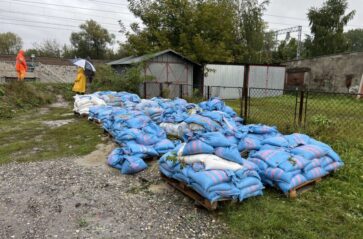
(84,198)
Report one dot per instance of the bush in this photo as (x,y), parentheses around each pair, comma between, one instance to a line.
(107,78)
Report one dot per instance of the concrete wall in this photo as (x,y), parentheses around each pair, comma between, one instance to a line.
(330,73)
(42,72)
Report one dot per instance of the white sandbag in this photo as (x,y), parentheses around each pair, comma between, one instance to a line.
(177,130)
(195,127)
(211,162)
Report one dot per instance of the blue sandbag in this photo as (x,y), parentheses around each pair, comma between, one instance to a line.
(272,157)
(309,151)
(211,196)
(279,141)
(297,139)
(260,163)
(230,153)
(215,139)
(277,174)
(113,159)
(333,166)
(138,122)
(147,139)
(214,115)
(252,191)
(127,134)
(313,164)
(208,124)
(208,178)
(247,182)
(295,181)
(229,111)
(134,148)
(315,173)
(261,129)
(164,146)
(133,165)
(293,163)
(249,143)
(197,147)
(232,140)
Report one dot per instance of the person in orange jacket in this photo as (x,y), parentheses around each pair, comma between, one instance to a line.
(21,66)
(80,82)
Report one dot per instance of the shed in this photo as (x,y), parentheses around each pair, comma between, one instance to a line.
(174,74)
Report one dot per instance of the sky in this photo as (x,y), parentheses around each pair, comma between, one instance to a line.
(37,20)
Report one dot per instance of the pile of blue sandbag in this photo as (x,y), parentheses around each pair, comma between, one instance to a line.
(291,160)
(208,158)
(213,167)
(139,137)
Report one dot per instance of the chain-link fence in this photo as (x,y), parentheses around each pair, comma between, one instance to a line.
(317,113)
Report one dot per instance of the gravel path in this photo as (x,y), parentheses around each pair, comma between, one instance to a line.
(84,198)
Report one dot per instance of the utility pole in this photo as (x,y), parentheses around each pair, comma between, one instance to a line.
(287,31)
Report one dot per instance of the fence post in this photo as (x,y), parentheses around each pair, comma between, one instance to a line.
(301,107)
(161,89)
(208,92)
(180,91)
(245,92)
(145,90)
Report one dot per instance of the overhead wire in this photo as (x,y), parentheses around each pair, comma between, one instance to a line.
(68,6)
(59,17)
(48,23)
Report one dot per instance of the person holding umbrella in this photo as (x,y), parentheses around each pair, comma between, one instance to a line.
(84,67)
(80,82)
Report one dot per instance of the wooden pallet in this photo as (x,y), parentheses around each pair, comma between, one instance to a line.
(98,122)
(182,187)
(294,192)
(80,115)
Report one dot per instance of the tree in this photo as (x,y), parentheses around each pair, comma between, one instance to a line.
(327,26)
(48,48)
(204,30)
(93,40)
(10,43)
(355,39)
(251,30)
(286,51)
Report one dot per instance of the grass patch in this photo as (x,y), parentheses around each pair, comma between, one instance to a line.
(334,207)
(27,138)
(18,97)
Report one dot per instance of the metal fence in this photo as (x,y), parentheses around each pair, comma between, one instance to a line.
(313,112)
(318,113)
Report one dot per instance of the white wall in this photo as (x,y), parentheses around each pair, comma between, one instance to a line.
(224,75)
(266,77)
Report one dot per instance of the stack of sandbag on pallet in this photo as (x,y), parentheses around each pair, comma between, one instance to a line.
(213,167)
(291,160)
(250,137)
(82,103)
(139,137)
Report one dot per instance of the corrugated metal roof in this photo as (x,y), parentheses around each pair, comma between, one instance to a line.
(137,59)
